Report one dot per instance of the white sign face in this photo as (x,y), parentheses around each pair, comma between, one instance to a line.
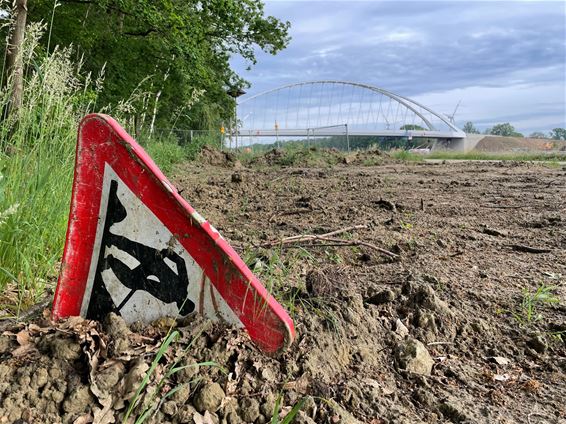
(139,269)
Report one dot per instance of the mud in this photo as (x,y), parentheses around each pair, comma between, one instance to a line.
(440,334)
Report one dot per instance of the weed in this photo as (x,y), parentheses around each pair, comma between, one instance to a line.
(290,417)
(406,156)
(528,312)
(405,225)
(151,404)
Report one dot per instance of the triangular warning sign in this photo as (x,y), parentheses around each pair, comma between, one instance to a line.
(135,247)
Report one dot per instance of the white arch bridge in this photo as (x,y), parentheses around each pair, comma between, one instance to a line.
(332,108)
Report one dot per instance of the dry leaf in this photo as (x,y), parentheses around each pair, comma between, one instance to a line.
(203,419)
(104,415)
(23,338)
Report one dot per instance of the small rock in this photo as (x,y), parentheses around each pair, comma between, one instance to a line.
(442,243)
(499,360)
(412,356)
(249,410)
(209,398)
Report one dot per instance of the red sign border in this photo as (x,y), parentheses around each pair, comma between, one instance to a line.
(102,140)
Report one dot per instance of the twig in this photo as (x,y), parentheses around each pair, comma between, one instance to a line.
(528,249)
(327,237)
(439,343)
(502,206)
(306,237)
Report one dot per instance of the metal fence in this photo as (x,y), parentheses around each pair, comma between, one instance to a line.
(227,141)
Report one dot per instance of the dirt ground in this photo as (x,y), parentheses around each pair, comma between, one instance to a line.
(464,323)
(519,144)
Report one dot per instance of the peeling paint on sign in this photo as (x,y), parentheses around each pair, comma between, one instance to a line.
(136,248)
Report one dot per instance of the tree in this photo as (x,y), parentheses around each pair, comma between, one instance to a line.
(14,58)
(171,47)
(537,134)
(558,134)
(412,127)
(470,129)
(506,130)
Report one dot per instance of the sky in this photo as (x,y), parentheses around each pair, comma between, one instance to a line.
(502,61)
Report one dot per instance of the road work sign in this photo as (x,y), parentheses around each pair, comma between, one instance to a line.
(135,247)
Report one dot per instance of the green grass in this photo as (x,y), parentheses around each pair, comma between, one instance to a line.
(37,155)
(406,156)
(529,309)
(36,164)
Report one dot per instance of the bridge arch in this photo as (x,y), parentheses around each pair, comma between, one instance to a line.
(329,107)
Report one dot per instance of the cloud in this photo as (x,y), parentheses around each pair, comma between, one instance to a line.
(457,50)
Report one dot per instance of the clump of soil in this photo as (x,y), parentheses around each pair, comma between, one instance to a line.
(304,156)
(211,156)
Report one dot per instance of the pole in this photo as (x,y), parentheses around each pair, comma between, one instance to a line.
(347,138)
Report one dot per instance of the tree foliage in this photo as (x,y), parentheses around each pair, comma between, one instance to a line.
(558,134)
(506,130)
(537,134)
(469,128)
(164,51)
(412,127)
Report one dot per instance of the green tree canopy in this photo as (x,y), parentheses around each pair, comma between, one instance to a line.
(506,130)
(558,134)
(167,51)
(537,134)
(469,128)
(412,127)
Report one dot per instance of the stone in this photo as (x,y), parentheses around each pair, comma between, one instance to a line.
(413,356)
(209,398)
